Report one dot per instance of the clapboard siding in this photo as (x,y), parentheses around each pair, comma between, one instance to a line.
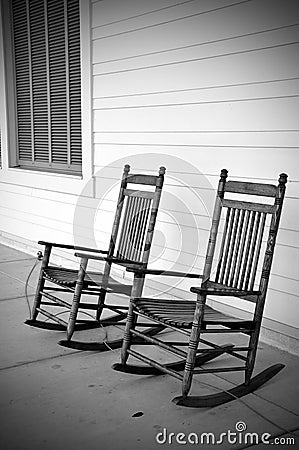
(51,215)
(211,83)
(192,19)
(196,86)
(269,114)
(209,73)
(271,160)
(244,92)
(226,53)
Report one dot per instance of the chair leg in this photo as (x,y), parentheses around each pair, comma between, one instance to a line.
(127,340)
(102,296)
(190,363)
(253,342)
(131,317)
(76,299)
(193,344)
(101,303)
(40,283)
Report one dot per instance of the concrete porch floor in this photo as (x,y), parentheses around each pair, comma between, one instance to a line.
(54,398)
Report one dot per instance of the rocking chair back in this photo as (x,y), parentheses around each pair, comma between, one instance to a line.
(135,218)
(248,235)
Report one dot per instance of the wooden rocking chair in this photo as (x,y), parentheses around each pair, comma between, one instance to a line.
(130,245)
(249,232)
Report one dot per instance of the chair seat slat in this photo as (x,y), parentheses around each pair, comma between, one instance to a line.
(175,314)
(68,277)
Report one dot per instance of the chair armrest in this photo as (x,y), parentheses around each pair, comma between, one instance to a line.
(223,292)
(167,273)
(111,259)
(73,247)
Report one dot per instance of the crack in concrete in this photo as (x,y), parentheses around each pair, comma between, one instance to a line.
(16,298)
(25,363)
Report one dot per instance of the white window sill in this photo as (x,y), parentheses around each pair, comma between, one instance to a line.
(75,176)
(48,181)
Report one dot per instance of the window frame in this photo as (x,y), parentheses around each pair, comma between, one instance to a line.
(71,182)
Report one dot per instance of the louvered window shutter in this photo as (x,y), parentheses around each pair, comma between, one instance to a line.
(46,41)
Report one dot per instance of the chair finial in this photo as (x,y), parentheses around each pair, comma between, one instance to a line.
(283,178)
(223,174)
(127,168)
(162,170)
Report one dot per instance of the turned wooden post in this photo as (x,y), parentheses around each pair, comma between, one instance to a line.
(76,298)
(41,281)
(114,233)
(201,298)
(264,281)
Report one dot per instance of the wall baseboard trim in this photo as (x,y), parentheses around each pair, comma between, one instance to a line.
(19,243)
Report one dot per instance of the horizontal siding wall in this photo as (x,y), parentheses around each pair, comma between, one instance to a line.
(36,214)
(193,85)
(198,86)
